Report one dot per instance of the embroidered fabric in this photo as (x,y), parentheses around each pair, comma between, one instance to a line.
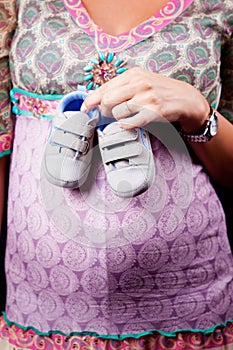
(87,252)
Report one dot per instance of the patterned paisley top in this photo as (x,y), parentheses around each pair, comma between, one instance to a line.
(87,260)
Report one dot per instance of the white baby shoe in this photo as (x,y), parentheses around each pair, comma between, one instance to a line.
(68,154)
(128,159)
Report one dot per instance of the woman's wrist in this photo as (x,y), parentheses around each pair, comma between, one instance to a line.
(200,114)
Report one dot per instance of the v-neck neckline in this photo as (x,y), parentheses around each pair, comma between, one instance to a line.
(105,42)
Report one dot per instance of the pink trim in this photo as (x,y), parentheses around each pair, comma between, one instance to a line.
(108,43)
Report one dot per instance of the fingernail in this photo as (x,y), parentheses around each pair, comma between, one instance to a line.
(83,108)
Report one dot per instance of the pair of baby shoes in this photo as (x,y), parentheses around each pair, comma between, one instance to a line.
(126,154)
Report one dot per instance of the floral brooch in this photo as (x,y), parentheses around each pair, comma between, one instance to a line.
(102,69)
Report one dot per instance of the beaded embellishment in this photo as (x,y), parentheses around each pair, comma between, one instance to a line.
(101,69)
(36,106)
(33,105)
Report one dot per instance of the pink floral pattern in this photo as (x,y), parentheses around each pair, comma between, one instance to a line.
(6,141)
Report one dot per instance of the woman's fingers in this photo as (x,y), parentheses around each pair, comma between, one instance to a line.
(140,118)
(114,96)
(137,97)
(108,95)
(92,100)
(124,110)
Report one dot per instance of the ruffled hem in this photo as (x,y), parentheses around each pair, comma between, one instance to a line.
(23,337)
(122,336)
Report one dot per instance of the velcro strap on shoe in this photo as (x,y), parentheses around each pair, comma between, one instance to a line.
(78,129)
(69,141)
(118,138)
(121,152)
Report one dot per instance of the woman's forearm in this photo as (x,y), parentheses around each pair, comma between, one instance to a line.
(217,154)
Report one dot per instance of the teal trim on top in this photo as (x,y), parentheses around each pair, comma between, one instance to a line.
(118,337)
(33,94)
(49,97)
(5,153)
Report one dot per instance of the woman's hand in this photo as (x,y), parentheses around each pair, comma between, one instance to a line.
(152,97)
(138,97)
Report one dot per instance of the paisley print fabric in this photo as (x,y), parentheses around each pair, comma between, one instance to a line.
(7,25)
(82,252)
(88,269)
(174,42)
(188,48)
